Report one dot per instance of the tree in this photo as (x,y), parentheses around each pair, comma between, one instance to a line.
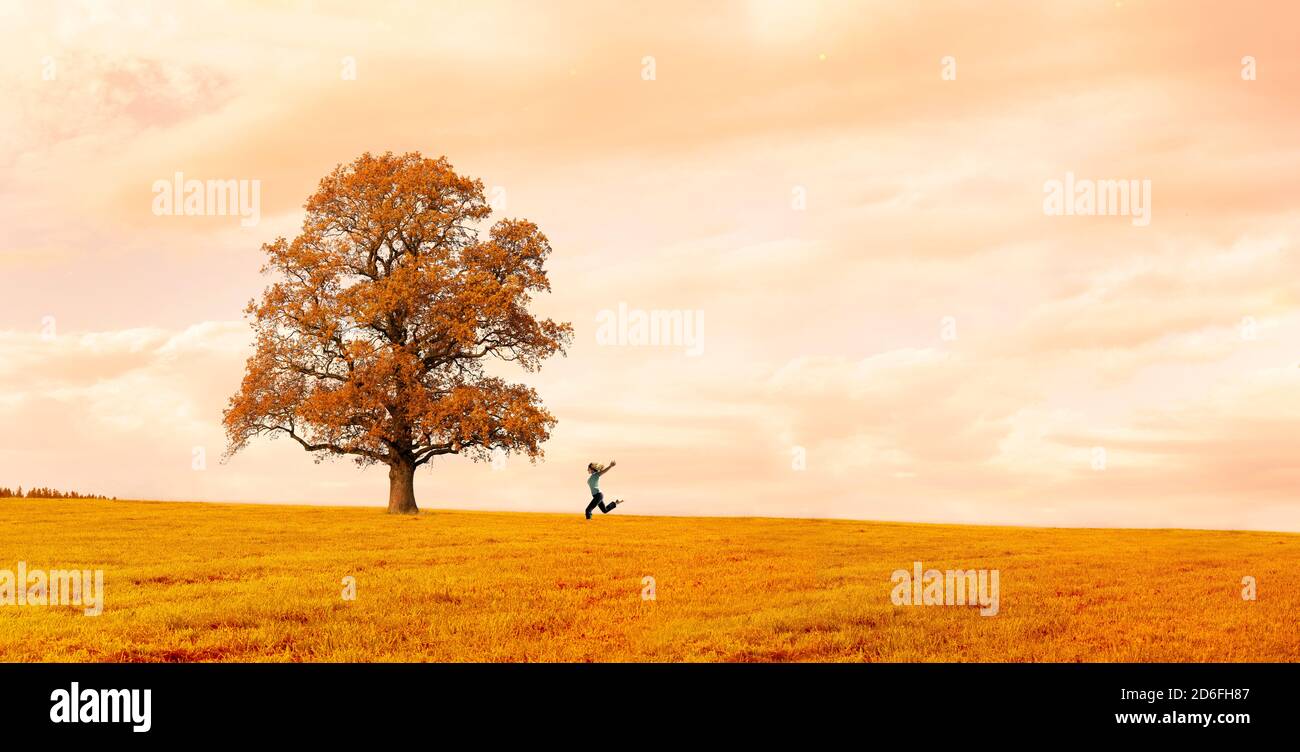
(373,341)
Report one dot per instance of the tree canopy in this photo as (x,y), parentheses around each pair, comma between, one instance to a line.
(372,341)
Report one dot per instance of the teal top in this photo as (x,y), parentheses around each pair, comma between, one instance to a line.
(593,482)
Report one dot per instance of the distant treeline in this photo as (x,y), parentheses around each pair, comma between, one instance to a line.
(46,493)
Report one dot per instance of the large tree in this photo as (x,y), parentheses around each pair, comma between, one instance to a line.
(373,339)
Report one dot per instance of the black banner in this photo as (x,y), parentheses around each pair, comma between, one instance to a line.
(923,701)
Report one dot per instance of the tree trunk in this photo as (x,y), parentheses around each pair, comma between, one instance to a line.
(401,489)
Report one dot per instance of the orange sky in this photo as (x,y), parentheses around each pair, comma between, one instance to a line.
(1172,346)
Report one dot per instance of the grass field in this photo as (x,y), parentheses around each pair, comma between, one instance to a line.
(225,582)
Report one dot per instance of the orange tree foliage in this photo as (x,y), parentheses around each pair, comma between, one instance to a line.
(373,340)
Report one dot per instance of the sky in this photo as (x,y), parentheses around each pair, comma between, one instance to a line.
(850,201)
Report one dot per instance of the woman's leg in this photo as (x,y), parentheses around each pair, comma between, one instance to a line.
(596,501)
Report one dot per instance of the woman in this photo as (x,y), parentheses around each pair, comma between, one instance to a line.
(593,482)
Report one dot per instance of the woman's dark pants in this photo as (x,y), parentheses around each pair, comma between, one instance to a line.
(599,501)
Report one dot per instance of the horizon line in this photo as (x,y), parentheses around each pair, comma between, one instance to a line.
(433,510)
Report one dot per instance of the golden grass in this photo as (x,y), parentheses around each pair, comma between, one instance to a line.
(225,582)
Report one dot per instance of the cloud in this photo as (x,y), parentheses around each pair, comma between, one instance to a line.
(919,210)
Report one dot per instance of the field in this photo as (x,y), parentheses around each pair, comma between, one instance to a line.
(225,582)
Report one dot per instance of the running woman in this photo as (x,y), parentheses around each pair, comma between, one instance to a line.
(596,470)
